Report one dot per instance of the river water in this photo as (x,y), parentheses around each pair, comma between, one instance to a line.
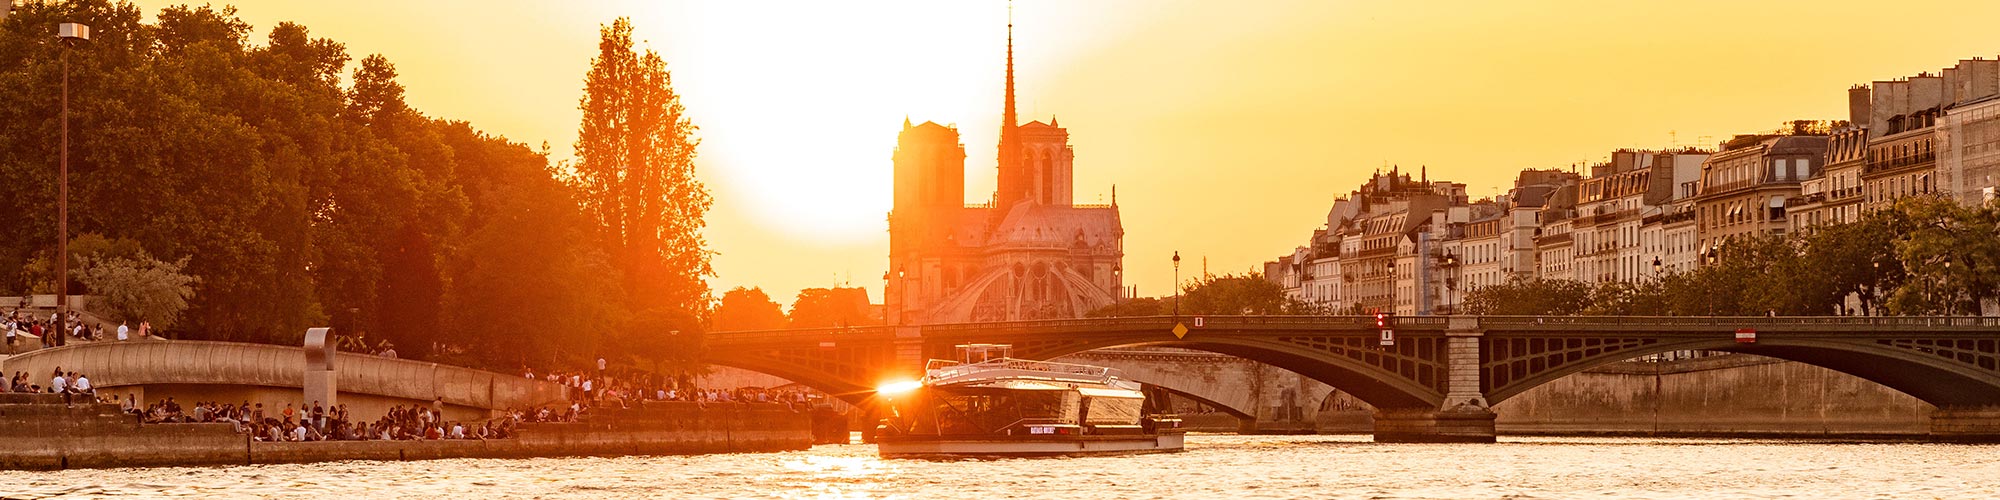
(1214,466)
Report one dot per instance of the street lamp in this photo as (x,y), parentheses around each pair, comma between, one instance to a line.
(70,34)
(1177,284)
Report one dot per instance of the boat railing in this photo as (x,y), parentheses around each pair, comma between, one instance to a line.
(940,369)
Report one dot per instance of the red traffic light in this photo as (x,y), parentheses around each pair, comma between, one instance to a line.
(1381,320)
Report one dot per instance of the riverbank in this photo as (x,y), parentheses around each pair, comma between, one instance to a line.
(38,432)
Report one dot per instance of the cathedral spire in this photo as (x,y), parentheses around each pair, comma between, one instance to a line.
(1013,182)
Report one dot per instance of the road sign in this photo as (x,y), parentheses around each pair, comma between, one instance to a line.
(826,345)
(1388,337)
(1180,331)
(1746,336)
(1197,321)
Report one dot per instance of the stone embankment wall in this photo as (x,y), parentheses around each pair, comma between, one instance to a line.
(1720,395)
(39,432)
(229,372)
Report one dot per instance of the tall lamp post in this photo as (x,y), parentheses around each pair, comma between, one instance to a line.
(1177,284)
(69,34)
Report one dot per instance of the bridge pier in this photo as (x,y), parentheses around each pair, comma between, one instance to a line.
(1464,417)
(1966,424)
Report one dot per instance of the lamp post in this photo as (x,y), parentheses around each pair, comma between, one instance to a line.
(1118,277)
(69,34)
(1710,258)
(1392,283)
(1177,285)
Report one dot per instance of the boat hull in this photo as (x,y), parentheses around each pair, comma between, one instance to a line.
(1040,446)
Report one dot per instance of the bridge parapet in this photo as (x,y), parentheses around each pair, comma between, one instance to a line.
(201,363)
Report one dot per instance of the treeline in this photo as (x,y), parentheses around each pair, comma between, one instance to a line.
(1922,256)
(748,309)
(302,190)
(1230,294)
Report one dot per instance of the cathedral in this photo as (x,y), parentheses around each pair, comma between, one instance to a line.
(1029,253)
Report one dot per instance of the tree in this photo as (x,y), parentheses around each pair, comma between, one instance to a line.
(1530,297)
(668,340)
(1952,253)
(139,289)
(744,309)
(1141,306)
(1247,294)
(831,307)
(635,167)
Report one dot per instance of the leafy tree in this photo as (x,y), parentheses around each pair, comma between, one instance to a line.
(635,166)
(1142,306)
(1617,298)
(1952,253)
(1530,296)
(743,309)
(668,340)
(1247,294)
(139,289)
(831,307)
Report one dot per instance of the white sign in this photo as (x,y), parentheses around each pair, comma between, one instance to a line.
(1197,321)
(1388,337)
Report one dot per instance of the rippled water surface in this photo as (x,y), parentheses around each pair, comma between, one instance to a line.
(1214,466)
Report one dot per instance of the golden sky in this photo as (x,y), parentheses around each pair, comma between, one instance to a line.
(1228,127)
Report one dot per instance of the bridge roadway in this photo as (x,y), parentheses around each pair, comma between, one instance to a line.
(231,372)
(1440,377)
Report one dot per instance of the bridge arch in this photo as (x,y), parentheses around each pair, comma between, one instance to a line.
(1321,359)
(1944,373)
(846,388)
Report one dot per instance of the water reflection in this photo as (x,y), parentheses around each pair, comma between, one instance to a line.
(1215,466)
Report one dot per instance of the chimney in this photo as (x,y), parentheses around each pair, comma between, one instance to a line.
(1857,105)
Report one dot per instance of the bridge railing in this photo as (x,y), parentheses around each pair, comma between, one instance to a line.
(1163,322)
(1746,321)
(751,336)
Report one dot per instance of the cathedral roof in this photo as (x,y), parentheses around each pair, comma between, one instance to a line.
(1031,224)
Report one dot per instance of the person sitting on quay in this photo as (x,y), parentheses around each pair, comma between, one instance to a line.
(60,385)
(81,385)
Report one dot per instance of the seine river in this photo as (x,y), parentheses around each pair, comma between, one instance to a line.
(1214,466)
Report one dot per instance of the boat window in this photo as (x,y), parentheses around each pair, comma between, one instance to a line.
(1113,410)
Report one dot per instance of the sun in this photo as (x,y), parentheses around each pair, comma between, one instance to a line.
(799,107)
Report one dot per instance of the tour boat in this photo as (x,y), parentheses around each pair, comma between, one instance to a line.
(991,405)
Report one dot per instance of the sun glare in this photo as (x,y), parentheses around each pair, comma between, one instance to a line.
(799,133)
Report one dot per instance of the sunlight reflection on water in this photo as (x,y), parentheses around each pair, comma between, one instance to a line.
(1215,466)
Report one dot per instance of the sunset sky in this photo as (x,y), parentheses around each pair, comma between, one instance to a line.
(1228,127)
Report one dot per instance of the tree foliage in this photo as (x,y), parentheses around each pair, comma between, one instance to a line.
(139,289)
(1530,296)
(831,307)
(635,166)
(744,309)
(1244,294)
(304,191)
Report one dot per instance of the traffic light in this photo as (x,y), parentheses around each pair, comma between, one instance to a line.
(1381,320)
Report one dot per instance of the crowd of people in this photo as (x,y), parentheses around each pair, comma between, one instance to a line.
(24,330)
(318,422)
(623,388)
(69,384)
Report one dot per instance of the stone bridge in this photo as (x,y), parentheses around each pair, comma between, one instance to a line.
(1441,375)
(230,372)
(1260,397)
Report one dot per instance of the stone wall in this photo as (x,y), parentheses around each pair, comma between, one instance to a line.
(1735,394)
(232,372)
(1720,395)
(38,432)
